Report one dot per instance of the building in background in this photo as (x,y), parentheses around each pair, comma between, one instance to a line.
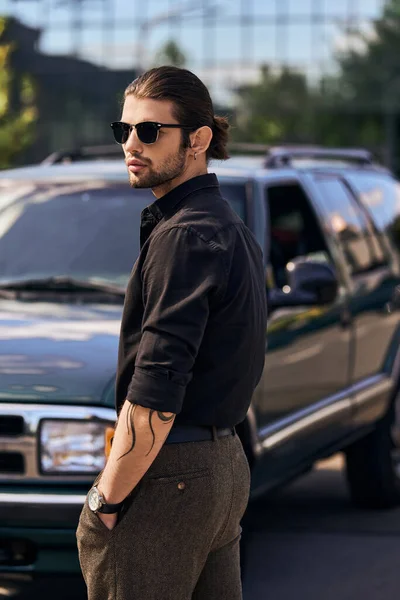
(75,99)
(313,71)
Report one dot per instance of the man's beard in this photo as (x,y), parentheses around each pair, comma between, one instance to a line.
(172,167)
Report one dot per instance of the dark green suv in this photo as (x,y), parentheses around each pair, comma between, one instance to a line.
(329,225)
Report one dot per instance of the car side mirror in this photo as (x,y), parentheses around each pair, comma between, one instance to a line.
(310,283)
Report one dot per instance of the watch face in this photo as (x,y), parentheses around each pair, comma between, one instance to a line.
(94,499)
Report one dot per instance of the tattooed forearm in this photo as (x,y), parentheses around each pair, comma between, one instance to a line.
(129,419)
(138,429)
(152,431)
(164,418)
(130,425)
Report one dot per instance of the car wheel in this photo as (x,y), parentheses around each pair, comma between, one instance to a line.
(373,463)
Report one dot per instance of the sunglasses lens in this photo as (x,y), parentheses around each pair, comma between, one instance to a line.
(121,132)
(147,132)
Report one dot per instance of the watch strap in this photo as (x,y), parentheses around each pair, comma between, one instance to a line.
(109,509)
(106,508)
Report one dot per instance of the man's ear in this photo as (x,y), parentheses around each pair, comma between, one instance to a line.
(200,140)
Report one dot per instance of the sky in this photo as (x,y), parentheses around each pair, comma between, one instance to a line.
(225,44)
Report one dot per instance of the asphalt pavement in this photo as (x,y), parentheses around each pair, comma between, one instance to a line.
(306,542)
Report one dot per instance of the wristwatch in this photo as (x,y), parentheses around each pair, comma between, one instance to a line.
(97,503)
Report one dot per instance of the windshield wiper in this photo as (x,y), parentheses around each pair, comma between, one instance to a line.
(62,283)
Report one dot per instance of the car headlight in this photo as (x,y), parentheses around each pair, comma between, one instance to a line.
(68,446)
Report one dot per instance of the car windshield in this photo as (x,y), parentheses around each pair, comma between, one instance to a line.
(87,231)
(77,231)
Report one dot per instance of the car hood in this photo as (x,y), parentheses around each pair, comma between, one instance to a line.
(58,353)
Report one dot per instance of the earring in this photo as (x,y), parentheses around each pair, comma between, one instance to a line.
(195,156)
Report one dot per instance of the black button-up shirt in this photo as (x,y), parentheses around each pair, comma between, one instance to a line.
(193,330)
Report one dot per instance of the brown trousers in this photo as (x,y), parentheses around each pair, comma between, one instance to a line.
(178,536)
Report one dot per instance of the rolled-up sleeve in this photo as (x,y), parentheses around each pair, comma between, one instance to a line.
(181,275)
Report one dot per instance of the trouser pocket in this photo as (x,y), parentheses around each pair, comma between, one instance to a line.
(96,556)
(97,548)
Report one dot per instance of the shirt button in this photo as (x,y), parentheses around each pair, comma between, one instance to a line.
(181,485)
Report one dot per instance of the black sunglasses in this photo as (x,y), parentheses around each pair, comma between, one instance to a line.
(147,131)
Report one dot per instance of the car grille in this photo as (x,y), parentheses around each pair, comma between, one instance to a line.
(19,438)
(11,425)
(11,462)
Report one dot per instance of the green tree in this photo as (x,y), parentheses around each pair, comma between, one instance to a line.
(170,54)
(358,106)
(280,107)
(371,73)
(368,86)
(18,113)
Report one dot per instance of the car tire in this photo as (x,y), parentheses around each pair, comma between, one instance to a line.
(373,463)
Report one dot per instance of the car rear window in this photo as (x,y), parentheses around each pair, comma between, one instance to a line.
(380,194)
(351,225)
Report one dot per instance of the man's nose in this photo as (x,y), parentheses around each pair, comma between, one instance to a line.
(133,143)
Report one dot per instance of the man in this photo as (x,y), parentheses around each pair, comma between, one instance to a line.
(162,522)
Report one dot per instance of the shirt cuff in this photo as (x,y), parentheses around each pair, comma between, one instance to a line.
(156,391)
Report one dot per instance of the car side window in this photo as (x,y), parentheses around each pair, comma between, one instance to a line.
(355,232)
(294,231)
(235,194)
(380,194)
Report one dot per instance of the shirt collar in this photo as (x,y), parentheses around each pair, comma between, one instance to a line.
(166,203)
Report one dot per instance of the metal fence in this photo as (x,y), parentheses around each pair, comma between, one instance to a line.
(82,53)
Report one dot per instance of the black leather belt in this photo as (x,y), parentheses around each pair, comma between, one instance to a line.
(193,433)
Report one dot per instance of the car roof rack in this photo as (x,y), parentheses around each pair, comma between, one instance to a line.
(282,156)
(275,156)
(114,150)
(85,152)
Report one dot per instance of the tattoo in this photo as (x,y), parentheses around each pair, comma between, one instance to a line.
(130,413)
(131,426)
(152,431)
(162,418)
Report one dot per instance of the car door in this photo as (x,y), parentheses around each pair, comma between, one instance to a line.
(301,403)
(373,282)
